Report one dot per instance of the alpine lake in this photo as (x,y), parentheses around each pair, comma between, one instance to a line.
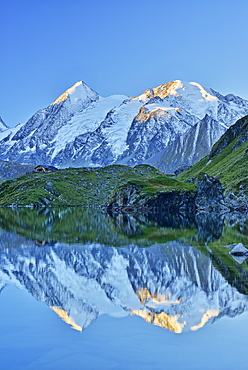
(86,288)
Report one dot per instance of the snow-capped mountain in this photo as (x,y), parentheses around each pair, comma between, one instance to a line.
(172,285)
(81,128)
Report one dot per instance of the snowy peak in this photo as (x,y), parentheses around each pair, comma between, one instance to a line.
(206,95)
(161,91)
(177,88)
(78,92)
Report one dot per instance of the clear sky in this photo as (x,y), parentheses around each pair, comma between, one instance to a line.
(117,47)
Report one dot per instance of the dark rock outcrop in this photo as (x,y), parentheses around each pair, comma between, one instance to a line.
(130,196)
(173,201)
(237,202)
(210,195)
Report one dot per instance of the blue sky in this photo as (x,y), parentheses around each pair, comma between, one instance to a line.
(117,47)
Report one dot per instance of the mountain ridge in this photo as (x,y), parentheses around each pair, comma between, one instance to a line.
(81,128)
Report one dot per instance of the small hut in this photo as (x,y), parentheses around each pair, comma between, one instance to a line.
(40,168)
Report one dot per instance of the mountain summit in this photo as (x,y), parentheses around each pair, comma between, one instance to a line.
(190,90)
(81,128)
(79,92)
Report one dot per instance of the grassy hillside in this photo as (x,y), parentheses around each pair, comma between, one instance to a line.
(161,184)
(81,186)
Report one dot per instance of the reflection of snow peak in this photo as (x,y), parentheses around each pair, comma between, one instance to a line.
(161,319)
(205,318)
(66,318)
(145,295)
(178,288)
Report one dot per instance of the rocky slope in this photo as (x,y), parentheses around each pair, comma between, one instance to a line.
(80,128)
(173,285)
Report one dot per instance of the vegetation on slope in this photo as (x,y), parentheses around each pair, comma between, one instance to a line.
(228,161)
(81,186)
(162,184)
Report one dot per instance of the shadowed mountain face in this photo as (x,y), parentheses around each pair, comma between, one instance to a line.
(3,126)
(192,146)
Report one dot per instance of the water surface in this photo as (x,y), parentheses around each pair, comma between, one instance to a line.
(81,288)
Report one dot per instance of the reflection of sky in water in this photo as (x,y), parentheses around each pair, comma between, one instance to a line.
(32,337)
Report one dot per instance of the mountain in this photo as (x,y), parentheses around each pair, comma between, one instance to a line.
(119,186)
(81,128)
(236,135)
(170,285)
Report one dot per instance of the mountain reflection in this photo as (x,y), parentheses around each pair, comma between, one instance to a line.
(67,319)
(172,285)
(182,280)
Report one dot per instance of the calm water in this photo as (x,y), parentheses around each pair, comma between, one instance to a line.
(83,289)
